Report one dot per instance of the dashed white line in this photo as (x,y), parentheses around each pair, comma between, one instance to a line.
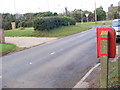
(53,53)
(30,63)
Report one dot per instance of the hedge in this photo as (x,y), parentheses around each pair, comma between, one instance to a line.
(47,23)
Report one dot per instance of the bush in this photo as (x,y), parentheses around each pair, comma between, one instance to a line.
(28,24)
(25,24)
(6,25)
(47,23)
(68,21)
(21,24)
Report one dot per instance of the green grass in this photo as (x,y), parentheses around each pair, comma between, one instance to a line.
(113,75)
(58,32)
(107,22)
(6,48)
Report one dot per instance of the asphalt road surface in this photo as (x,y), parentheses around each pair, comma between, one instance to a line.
(60,64)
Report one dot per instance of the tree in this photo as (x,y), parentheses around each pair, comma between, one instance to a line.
(76,14)
(113,13)
(90,18)
(55,14)
(7,19)
(45,14)
(101,14)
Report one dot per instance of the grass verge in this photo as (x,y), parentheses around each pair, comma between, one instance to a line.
(58,32)
(5,48)
(114,77)
(107,22)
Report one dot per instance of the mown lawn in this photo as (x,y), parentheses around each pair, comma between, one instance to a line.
(58,32)
(107,22)
(6,48)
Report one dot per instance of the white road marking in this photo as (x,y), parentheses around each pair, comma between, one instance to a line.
(53,53)
(78,85)
(0,76)
(30,63)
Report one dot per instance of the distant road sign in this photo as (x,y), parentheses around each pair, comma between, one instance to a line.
(87,14)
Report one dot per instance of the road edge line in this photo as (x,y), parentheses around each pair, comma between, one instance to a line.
(86,75)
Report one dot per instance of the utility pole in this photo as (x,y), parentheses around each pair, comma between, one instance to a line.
(66,11)
(81,13)
(95,13)
(15,6)
(81,16)
(48,5)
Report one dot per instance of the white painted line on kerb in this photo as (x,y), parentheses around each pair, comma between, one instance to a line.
(53,53)
(83,79)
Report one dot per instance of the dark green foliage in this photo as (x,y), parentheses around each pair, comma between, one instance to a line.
(90,18)
(6,25)
(22,20)
(76,14)
(21,24)
(7,19)
(101,14)
(66,21)
(45,14)
(25,24)
(47,23)
(113,13)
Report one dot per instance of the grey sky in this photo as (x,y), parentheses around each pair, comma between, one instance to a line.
(24,6)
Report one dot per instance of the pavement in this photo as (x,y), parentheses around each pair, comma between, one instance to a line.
(90,80)
(59,64)
(28,41)
(118,49)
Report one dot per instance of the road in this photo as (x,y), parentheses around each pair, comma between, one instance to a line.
(59,64)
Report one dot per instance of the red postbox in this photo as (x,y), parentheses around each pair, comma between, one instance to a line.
(111,44)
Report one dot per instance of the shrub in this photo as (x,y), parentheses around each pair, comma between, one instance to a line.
(6,25)
(29,24)
(21,24)
(68,21)
(47,23)
(25,24)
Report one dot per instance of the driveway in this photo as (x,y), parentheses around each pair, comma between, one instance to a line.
(28,41)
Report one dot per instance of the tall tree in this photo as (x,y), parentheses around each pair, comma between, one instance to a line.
(114,12)
(7,19)
(101,14)
(76,14)
(90,17)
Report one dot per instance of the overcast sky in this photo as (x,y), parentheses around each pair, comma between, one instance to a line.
(24,6)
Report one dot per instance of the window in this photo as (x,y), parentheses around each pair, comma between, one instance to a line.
(116,23)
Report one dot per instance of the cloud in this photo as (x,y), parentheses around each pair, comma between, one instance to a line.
(24,6)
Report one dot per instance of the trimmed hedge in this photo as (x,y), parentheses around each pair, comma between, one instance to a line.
(47,23)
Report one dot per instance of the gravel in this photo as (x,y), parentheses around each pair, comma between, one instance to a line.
(28,41)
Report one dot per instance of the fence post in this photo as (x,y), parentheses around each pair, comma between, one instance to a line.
(104,59)
(2,37)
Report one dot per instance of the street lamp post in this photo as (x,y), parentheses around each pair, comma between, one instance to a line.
(81,12)
(48,5)
(95,13)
